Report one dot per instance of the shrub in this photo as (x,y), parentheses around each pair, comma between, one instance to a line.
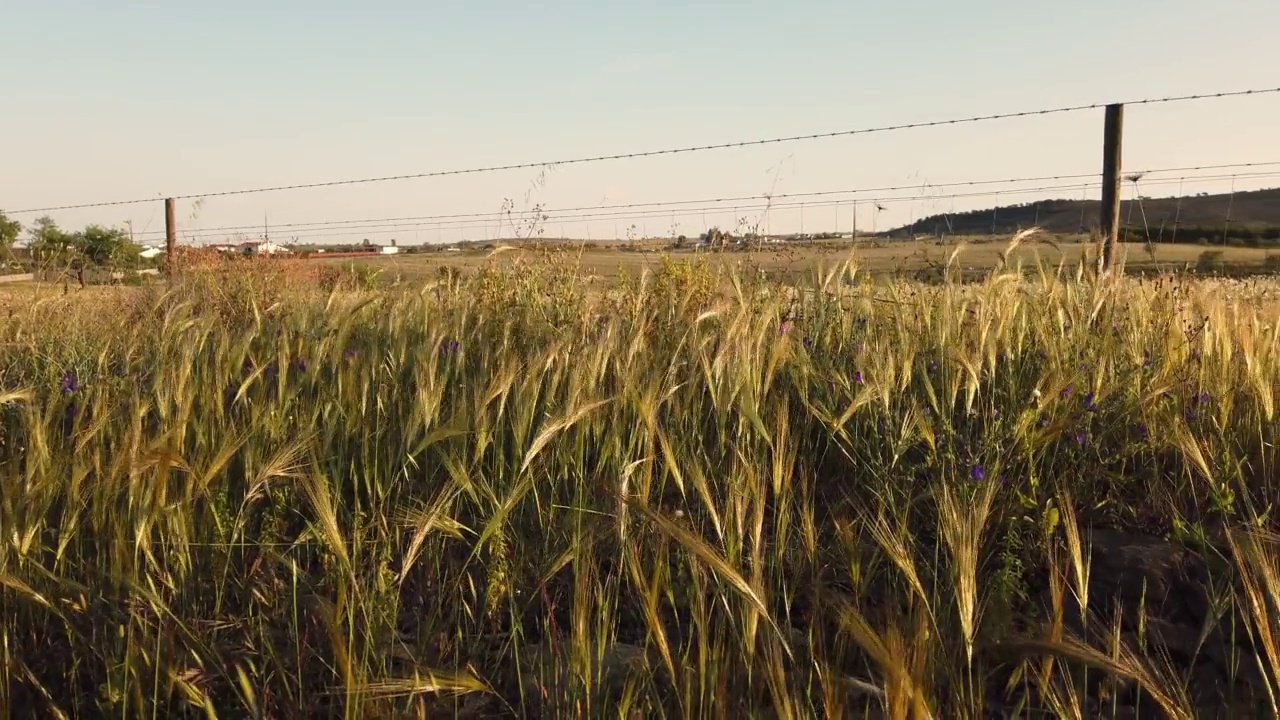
(1210,261)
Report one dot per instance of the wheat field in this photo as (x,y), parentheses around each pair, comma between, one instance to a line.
(699,494)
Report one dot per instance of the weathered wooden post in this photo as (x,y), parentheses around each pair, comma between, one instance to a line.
(1113,131)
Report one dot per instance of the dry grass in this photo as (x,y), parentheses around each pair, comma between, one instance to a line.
(694,495)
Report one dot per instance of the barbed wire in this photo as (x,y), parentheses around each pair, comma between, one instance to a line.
(767,205)
(712,202)
(670,151)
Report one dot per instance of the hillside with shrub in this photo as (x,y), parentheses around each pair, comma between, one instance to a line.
(1253,215)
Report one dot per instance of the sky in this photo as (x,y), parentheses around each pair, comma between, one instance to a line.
(121,101)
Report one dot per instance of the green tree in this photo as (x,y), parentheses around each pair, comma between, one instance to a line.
(9,231)
(105,247)
(95,245)
(56,250)
(50,245)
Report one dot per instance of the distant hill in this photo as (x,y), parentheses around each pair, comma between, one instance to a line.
(1253,215)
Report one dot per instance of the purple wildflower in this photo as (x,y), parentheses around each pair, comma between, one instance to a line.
(977,472)
(70,383)
(1082,438)
(857,377)
(1068,391)
(1089,404)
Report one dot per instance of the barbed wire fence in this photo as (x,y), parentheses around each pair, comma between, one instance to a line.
(685,208)
(869,199)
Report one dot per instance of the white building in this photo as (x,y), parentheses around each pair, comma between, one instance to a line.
(265,247)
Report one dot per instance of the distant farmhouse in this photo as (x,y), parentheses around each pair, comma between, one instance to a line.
(266,247)
(261,247)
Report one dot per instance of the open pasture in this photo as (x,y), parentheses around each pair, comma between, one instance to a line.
(799,260)
(701,494)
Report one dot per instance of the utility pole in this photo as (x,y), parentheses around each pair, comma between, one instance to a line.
(1113,132)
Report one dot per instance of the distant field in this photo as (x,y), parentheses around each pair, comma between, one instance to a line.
(605,260)
(801,259)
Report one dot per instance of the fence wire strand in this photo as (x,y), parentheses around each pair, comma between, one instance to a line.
(670,151)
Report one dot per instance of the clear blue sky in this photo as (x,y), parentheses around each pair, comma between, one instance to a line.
(104,101)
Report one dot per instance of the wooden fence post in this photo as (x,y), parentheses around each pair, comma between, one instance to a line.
(170,236)
(1113,132)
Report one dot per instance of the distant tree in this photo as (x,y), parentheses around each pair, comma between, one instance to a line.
(714,237)
(9,231)
(53,248)
(50,244)
(105,247)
